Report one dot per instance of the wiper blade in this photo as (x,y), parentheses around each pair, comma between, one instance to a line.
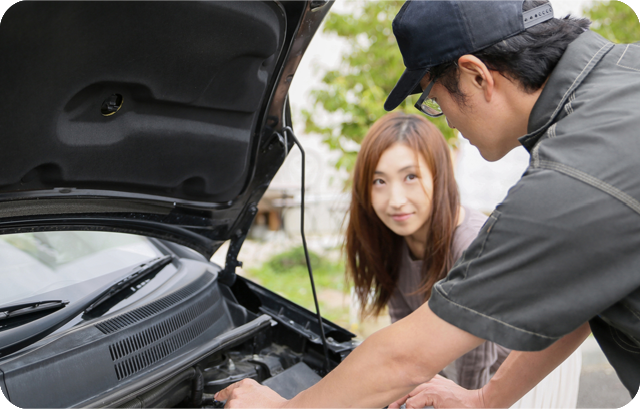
(137,273)
(21,335)
(10,311)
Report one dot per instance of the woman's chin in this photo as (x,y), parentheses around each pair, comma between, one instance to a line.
(402,230)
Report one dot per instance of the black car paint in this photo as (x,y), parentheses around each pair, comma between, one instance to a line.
(49,372)
(116,358)
(182,218)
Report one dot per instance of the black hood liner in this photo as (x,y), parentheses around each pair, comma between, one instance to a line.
(195,78)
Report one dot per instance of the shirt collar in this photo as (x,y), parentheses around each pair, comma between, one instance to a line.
(576,63)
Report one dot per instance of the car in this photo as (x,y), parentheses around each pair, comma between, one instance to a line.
(136,139)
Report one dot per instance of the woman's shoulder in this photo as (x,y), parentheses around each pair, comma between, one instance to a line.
(477,218)
(473,220)
(467,230)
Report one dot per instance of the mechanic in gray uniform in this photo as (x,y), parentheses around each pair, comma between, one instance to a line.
(560,253)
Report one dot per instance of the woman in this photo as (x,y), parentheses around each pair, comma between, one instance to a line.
(406,230)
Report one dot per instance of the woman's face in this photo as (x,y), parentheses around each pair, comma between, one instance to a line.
(402,190)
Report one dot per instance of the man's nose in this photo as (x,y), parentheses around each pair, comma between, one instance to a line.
(448,122)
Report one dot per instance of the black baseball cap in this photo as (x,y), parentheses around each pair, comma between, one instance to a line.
(433,32)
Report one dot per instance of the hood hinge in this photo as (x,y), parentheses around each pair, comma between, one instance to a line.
(228,274)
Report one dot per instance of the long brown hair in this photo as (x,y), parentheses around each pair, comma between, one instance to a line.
(372,250)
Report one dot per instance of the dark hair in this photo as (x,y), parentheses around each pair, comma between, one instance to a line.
(372,250)
(528,57)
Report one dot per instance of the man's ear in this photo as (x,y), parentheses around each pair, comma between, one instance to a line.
(473,70)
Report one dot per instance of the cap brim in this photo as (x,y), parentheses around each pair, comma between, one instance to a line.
(408,84)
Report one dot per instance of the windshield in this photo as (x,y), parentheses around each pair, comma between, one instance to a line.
(35,263)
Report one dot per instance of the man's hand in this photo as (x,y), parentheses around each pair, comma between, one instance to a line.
(248,394)
(441,393)
(387,365)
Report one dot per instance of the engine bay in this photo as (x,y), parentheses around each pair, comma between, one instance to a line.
(177,348)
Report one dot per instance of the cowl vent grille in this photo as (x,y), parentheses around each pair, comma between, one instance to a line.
(147,347)
(127,319)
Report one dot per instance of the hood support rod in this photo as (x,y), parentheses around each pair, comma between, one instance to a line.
(288,130)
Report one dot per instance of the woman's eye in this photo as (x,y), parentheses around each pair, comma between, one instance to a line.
(410,177)
(377,182)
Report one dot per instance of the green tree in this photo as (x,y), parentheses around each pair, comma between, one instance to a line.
(351,97)
(614,20)
(355,92)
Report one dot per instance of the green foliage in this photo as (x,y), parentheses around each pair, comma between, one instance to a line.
(294,259)
(354,93)
(614,20)
(287,274)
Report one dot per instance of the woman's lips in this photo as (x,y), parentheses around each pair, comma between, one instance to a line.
(400,217)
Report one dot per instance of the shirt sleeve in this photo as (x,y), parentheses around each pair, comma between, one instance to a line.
(553,255)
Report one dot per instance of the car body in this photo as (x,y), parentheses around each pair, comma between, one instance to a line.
(138,137)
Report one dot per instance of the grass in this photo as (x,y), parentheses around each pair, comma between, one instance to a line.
(287,274)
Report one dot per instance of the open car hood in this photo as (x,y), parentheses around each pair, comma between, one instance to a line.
(164,119)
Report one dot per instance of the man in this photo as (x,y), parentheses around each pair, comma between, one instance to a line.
(559,254)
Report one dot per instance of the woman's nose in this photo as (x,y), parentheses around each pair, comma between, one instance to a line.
(397,197)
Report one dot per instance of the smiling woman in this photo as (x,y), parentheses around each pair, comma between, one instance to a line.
(404,195)
(401,193)
(407,228)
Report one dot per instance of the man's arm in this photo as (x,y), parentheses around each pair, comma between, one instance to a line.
(386,366)
(516,376)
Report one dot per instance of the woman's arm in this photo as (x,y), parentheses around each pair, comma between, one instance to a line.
(386,366)
(523,370)
(516,376)
(475,368)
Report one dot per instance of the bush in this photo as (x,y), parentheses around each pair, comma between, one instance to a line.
(293,258)
(287,274)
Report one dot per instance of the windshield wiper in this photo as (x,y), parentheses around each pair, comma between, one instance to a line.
(138,272)
(7,312)
(16,336)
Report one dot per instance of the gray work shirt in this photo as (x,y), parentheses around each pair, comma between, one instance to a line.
(563,248)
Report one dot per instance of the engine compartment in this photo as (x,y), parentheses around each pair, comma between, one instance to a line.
(275,366)
(177,348)
(286,356)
